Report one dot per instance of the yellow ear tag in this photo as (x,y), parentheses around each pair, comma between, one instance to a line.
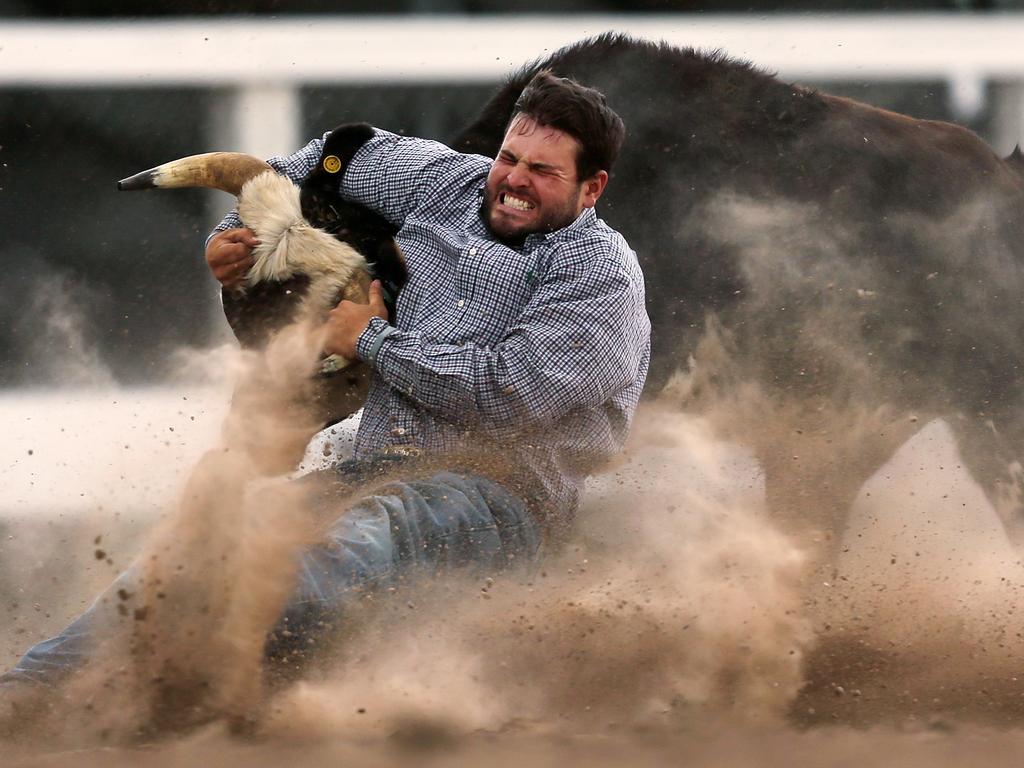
(332,164)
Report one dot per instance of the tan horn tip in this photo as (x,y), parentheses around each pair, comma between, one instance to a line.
(144,180)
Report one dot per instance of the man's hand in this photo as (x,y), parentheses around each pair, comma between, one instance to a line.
(229,255)
(348,320)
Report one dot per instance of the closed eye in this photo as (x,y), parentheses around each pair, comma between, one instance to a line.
(543,169)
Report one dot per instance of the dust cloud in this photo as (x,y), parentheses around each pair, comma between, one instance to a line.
(180,633)
(673,625)
(678,622)
(62,348)
(671,600)
(921,622)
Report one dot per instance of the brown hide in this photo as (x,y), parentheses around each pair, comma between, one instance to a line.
(822,276)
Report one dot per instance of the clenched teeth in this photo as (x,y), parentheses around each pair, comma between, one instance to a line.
(517,203)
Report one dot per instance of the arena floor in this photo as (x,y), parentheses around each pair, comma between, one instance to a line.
(672,627)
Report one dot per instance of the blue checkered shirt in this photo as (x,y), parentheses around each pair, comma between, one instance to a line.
(541,349)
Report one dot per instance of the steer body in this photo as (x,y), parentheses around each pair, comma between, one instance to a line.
(823,277)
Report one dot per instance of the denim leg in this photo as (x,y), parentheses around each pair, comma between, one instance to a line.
(49,662)
(448,522)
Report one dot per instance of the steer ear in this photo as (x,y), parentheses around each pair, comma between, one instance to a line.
(341,145)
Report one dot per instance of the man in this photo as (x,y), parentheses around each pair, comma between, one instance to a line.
(521,333)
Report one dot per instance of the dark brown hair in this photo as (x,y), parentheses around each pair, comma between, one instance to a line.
(579,111)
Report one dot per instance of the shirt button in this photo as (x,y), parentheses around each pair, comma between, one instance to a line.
(462,303)
(472,251)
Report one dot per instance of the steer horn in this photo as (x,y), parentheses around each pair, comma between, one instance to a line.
(227,171)
(269,205)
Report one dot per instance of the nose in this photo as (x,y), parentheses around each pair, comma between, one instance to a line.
(518,177)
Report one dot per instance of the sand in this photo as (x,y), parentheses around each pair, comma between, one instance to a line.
(674,625)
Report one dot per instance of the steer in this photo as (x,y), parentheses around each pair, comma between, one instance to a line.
(315,249)
(823,277)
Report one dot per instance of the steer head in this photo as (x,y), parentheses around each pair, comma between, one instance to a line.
(315,249)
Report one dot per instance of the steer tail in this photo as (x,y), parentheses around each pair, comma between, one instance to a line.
(226,171)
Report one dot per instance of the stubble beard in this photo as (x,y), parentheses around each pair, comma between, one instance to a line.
(550,221)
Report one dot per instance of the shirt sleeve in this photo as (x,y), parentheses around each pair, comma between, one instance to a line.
(581,339)
(394,175)
(389,174)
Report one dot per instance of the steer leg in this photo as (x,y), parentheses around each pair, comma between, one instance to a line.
(816,465)
(990,445)
(817,447)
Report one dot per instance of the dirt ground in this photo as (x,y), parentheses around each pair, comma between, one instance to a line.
(674,626)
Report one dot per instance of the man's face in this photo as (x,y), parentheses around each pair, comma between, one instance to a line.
(532,185)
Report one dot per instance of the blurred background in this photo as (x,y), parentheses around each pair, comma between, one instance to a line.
(100,287)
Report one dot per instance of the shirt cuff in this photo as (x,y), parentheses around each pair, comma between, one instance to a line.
(370,340)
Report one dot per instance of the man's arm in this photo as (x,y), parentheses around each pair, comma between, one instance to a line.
(381,164)
(389,174)
(395,175)
(581,339)
(229,255)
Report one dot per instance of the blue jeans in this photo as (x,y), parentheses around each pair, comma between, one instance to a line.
(448,522)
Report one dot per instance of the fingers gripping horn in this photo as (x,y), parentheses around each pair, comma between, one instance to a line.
(227,171)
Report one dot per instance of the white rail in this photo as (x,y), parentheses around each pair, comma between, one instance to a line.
(456,48)
(264,61)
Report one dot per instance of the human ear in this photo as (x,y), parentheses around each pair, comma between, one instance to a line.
(593,187)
